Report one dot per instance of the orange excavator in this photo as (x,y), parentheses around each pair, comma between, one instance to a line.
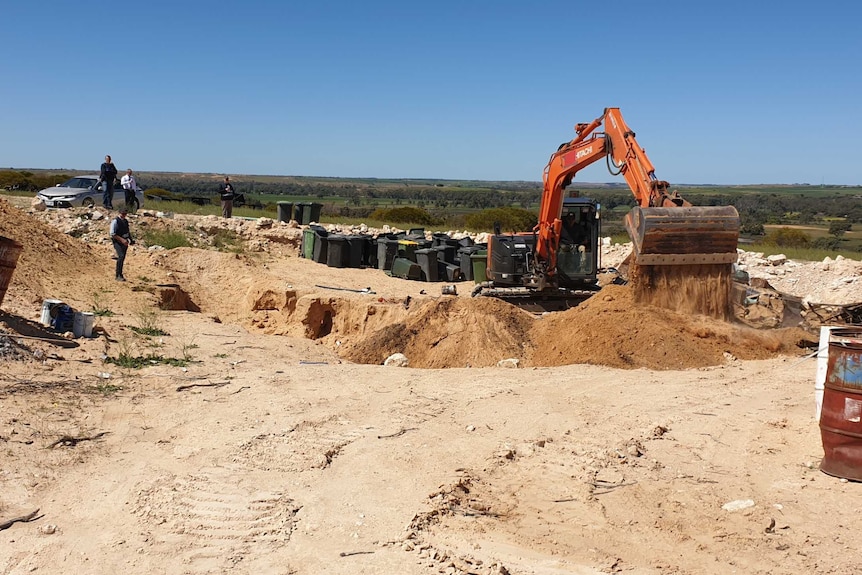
(667,232)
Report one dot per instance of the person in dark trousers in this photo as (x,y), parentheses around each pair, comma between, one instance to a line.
(227,195)
(106,180)
(121,237)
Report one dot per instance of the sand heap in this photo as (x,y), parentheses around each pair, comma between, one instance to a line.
(51,263)
(451,332)
(609,329)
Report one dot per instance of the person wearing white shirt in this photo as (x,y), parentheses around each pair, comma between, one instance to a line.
(131,186)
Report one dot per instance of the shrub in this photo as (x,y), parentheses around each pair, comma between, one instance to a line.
(405,215)
(226,240)
(752,228)
(838,229)
(787,238)
(510,219)
(831,244)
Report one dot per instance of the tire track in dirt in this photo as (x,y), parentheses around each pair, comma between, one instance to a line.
(309,445)
(213,523)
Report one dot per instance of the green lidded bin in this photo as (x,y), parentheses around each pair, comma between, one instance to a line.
(406,269)
(480,262)
(284,211)
(307,212)
(407,249)
(308,237)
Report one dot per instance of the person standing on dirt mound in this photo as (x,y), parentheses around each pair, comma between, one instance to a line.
(227,193)
(121,237)
(106,179)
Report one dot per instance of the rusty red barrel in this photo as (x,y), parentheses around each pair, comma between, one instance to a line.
(841,416)
(9,252)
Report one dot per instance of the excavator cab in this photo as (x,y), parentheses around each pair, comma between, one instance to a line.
(578,254)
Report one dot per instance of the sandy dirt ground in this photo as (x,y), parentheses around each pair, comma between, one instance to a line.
(264,436)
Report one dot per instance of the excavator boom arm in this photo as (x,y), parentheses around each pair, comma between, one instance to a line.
(634,165)
(665,228)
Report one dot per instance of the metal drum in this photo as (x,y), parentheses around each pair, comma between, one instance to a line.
(841,414)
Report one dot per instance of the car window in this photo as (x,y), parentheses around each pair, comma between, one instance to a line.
(79,183)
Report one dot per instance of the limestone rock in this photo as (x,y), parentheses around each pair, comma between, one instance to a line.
(397,360)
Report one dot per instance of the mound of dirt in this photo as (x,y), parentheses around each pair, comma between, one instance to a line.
(450,332)
(611,330)
(51,263)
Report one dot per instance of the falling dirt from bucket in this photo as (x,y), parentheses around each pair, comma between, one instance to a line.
(694,289)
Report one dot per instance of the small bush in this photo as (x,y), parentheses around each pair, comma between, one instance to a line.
(148,323)
(151,331)
(510,219)
(405,215)
(100,306)
(831,244)
(105,389)
(787,238)
(838,229)
(226,240)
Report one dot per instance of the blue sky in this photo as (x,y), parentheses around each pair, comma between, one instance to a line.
(721,92)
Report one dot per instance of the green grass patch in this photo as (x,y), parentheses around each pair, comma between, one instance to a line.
(226,240)
(191,208)
(800,254)
(168,239)
(105,389)
(137,362)
(149,330)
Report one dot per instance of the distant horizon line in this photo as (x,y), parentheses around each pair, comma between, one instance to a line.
(424,179)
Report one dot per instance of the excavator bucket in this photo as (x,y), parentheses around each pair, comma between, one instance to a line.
(683,235)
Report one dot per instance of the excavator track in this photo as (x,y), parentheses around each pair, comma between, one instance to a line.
(535,301)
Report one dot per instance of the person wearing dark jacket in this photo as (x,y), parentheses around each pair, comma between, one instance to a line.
(227,193)
(106,181)
(121,237)
(573,240)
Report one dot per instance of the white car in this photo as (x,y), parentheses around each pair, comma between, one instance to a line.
(84,191)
